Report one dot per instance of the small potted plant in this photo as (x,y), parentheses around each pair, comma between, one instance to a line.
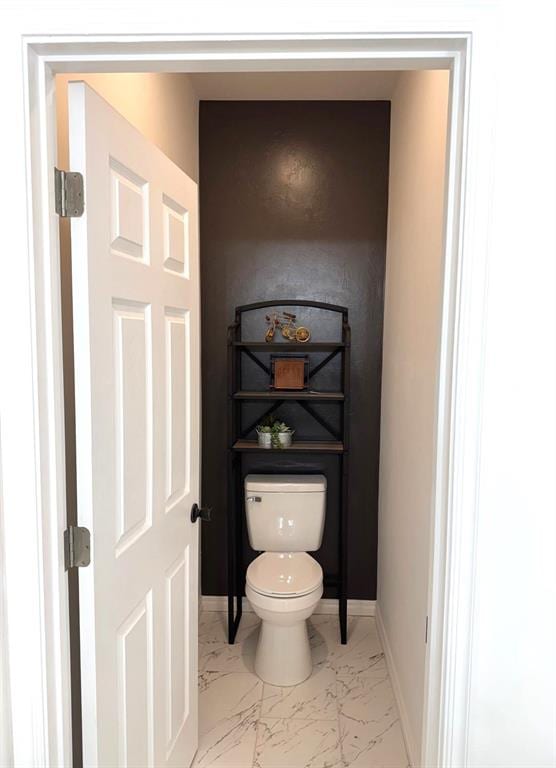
(272,433)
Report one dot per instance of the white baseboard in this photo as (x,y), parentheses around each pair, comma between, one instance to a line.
(328,605)
(410,746)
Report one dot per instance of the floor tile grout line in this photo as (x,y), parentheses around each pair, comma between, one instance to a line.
(257,726)
(257,721)
(301,719)
(340,745)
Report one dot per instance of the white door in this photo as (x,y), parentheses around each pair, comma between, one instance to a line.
(136,336)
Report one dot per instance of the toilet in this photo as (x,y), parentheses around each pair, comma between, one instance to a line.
(285,520)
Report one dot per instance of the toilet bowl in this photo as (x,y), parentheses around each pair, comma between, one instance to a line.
(285,520)
(283,589)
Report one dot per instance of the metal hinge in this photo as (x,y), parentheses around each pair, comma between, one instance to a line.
(68,193)
(77,547)
(426,629)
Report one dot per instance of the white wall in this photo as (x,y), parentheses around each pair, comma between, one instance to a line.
(5,699)
(512,715)
(164,107)
(409,380)
(307,86)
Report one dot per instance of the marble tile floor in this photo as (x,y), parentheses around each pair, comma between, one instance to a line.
(343,715)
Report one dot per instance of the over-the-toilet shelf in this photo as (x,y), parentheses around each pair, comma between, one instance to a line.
(241,444)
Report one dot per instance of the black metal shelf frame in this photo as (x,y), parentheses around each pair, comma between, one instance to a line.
(238,445)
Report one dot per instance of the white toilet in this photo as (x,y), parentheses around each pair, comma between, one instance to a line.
(285,518)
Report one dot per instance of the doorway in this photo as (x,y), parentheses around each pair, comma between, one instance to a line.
(456,131)
(353,137)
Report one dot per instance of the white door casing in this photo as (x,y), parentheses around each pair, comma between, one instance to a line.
(136,336)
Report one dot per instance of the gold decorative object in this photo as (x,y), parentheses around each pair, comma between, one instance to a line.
(285,323)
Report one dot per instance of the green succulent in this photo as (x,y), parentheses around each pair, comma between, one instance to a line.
(270,425)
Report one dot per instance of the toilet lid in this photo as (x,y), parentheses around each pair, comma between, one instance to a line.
(284,574)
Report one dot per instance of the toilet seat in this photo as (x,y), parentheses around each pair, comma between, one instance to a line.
(284,574)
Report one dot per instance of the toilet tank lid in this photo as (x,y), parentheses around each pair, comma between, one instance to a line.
(286,483)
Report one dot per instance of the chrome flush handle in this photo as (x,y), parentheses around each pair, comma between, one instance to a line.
(254,498)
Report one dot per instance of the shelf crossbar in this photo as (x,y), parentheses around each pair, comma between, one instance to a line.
(251,427)
(324,362)
(320,420)
(255,359)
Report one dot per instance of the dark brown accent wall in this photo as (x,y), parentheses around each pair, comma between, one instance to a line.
(293,202)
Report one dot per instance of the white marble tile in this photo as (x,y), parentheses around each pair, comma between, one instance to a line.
(372,745)
(285,743)
(229,707)
(324,635)
(366,697)
(230,744)
(213,627)
(244,724)
(215,654)
(225,694)
(370,733)
(361,654)
(313,699)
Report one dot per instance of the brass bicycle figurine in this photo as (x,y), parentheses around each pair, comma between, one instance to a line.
(285,323)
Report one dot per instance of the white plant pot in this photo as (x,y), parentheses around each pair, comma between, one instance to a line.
(265,439)
(285,439)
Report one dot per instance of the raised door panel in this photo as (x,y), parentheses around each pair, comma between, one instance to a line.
(177,621)
(176,237)
(178,406)
(132,421)
(129,213)
(135,687)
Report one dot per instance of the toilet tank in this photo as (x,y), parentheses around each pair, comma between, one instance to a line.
(285,513)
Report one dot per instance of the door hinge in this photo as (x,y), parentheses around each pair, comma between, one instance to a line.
(77,547)
(68,193)
(426,629)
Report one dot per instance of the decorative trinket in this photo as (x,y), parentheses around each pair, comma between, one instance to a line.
(289,371)
(285,323)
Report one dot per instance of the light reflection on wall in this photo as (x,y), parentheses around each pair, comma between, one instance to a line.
(296,169)
(296,183)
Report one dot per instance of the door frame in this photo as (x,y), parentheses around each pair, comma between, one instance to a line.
(458,422)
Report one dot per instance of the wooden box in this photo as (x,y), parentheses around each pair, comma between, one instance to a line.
(289,372)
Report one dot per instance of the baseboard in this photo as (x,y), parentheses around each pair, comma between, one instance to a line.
(328,605)
(410,746)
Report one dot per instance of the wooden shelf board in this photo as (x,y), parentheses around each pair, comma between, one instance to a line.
(285,346)
(298,446)
(286,394)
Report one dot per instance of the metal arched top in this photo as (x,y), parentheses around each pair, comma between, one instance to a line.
(292,303)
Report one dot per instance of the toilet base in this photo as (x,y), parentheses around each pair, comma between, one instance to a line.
(283,655)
